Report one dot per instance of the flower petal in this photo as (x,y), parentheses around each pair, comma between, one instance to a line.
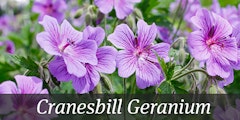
(29,85)
(146,33)
(84,52)
(8,87)
(105,6)
(69,33)
(58,69)
(197,46)
(147,74)
(122,37)
(226,81)
(106,59)
(74,66)
(46,42)
(126,63)
(229,49)
(51,26)
(217,65)
(88,82)
(161,49)
(97,34)
(123,8)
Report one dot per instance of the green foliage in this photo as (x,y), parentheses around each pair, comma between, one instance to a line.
(165,88)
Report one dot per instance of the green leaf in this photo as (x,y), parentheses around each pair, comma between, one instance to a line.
(176,83)
(165,87)
(180,90)
(170,71)
(27,63)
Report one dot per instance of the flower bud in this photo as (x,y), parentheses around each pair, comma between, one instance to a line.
(182,56)
(213,89)
(138,13)
(78,13)
(107,82)
(131,22)
(88,19)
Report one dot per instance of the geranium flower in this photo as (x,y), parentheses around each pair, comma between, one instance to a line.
(67,43)
(10,47)
(230,13)
(22,104)
(138,54)
(25,85)
(122,7)
(5,24)
(54,8)
(212,43)
(106,63)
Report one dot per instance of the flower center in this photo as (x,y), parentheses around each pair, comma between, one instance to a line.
(49,8)
(210,42)
(69,42)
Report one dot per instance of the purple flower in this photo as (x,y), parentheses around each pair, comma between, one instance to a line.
(236,34)
(213,45)
(54,8)
(122,7)
(230,13)
(227,112)
(10,47)
(138,54)
(5,24)
(164,34)
(22,107)
(25,85)
(106,63)
(67,43)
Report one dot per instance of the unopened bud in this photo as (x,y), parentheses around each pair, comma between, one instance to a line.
(138,13)
(213,89)
(107,82)
(131,22)
(88,19)
(78,13)
(182,56)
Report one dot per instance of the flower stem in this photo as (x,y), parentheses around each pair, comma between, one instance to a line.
(185,67)
(189,72)
(44,64)
(124,86)
(180,38)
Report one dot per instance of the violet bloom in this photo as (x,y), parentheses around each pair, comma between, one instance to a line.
(5,24)
(25,85)
(230,13)
(138,54)
(236,34)
(228,112)
(54,8)
(123,8)
(213,45)
(164,34)
(10,47)
(106,63)
(67,43)
(23,103)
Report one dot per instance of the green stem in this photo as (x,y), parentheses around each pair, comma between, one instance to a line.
(185,67)
(180,38)
(48,61)
(189,72)
(124,86)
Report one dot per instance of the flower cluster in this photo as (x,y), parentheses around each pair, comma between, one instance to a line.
(77,56)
